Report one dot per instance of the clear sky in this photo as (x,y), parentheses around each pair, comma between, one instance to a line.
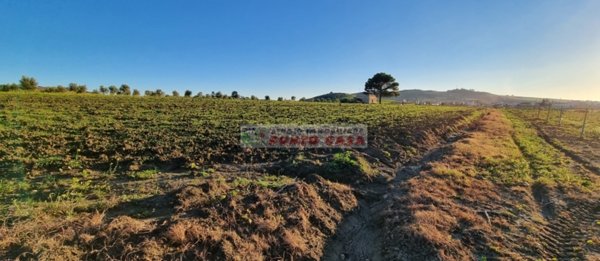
(305,48)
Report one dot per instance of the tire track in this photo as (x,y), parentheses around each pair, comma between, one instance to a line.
(567,233)
(565,236)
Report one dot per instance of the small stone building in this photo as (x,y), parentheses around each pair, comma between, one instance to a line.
(372,98)
(367,97)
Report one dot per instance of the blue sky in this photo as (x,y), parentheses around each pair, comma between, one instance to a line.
(305,48)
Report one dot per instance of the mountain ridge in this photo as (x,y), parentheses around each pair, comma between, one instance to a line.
(459,96)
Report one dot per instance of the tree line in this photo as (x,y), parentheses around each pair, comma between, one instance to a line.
(381,84)
(30,84)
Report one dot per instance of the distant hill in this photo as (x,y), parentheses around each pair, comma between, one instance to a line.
(337,96)
(461,96)
(458,96)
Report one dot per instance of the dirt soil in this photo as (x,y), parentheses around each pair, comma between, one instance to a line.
(361,235)
(283,210)
(221,217)
(433,203)
(447,211)
(441,208)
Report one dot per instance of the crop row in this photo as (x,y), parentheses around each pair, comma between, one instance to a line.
(43,131)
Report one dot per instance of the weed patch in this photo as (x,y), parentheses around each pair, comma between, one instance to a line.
(144,174)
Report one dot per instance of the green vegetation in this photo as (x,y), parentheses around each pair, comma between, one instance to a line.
(266,181)
(145,174)
(69,155)
(28,83)
(60,131)
(565,132)
(343,160)
(382,84)
(547,164)
(507,171)
(274,182)
(66,148)
(344,163)
(336,97)
(570,122)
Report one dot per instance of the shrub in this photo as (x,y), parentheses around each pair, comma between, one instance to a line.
(28,83)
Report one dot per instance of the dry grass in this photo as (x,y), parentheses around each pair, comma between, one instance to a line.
(219,218)
(295,241)
(455,210)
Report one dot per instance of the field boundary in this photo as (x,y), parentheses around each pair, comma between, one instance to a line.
(571,154)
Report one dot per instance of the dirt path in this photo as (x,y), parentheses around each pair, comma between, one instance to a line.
(563,234)
(361,234)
